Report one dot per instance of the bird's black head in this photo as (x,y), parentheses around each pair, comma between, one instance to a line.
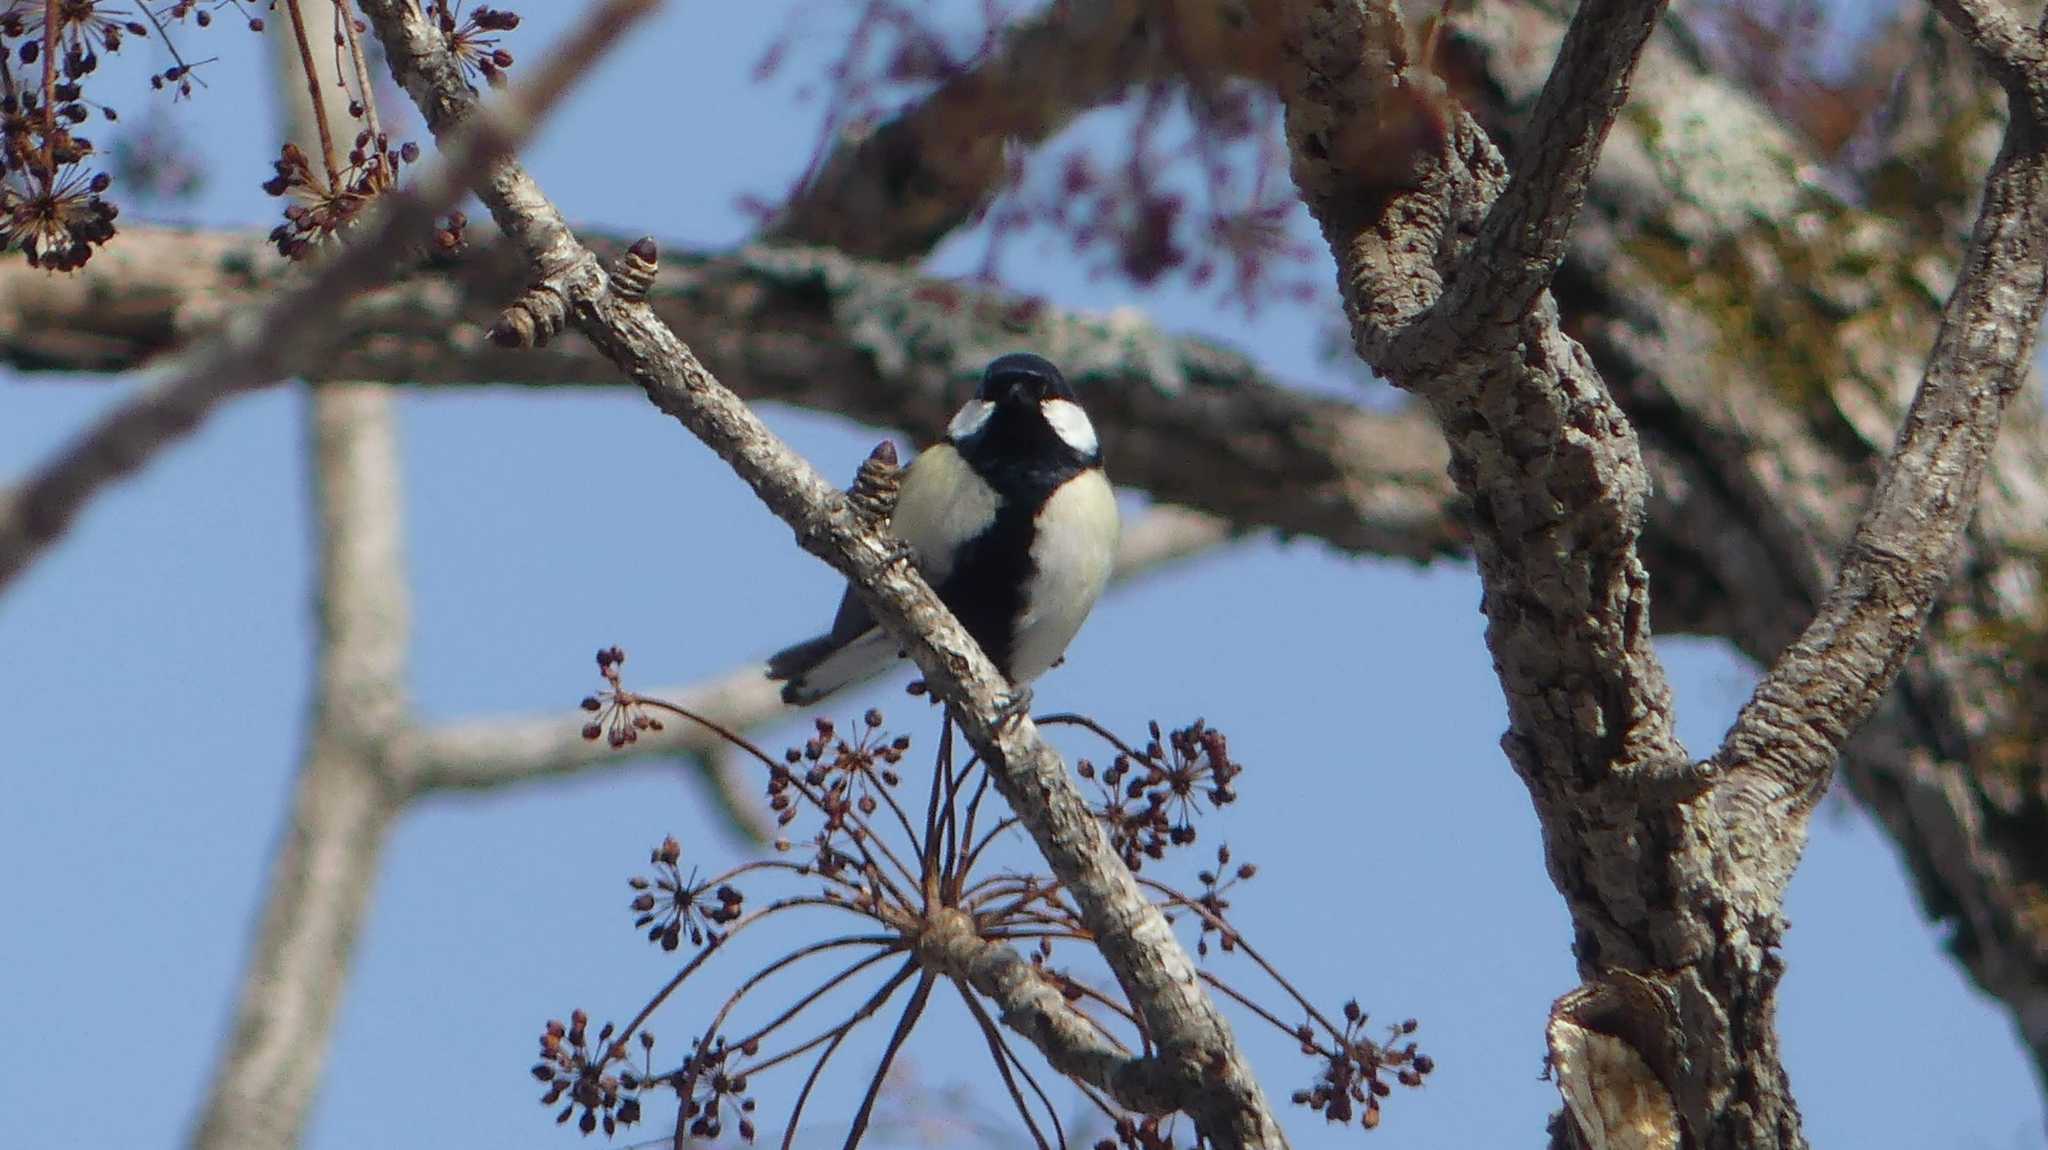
(1023,419)
(1023,380)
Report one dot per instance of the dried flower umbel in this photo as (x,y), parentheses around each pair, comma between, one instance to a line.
(54,206)
(474,36)
(904,903)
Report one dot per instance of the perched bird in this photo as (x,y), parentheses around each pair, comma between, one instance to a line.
(1011,521)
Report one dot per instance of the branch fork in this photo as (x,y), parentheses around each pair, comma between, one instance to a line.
(1134,938)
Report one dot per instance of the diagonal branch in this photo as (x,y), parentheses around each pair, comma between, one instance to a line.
(1217,1086)
(1035,1008)
(2012,51)
(895,192)
(1522,242)
(1823,686)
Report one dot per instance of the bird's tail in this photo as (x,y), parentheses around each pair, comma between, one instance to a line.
(815,668)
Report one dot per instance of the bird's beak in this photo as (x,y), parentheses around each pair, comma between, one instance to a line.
(1019,393)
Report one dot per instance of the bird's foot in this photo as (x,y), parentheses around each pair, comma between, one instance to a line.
(1014,708)
(896,552)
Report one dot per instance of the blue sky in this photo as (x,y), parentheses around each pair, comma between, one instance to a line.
(154,686)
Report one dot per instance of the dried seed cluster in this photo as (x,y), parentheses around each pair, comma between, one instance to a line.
(1356,1070)
(54,204)
(670,907)
(474,37)
(900,896)
(621,715)
(593,1078)
(1150,798)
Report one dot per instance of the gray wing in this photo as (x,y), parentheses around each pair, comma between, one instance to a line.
(793,665)
(938,507)
(851,621)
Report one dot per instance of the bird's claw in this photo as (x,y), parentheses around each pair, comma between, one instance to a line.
(897,552)
(1014,708)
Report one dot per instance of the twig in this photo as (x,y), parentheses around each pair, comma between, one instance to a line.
(310,72)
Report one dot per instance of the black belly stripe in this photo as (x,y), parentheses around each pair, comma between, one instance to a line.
(986,586)
(1025,462)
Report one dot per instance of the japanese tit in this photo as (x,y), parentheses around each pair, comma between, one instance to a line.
(1010,519)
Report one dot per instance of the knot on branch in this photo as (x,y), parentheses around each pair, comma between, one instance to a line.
(634,271)
(876,485)
(947,941)
(532,320)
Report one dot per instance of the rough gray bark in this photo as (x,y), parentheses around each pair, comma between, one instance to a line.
(1674,872)
(1195,1047)
(1765,336)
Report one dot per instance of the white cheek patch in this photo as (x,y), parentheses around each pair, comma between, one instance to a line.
(970,419)
(1071,424)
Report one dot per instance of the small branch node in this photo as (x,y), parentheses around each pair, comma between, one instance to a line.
(532,319)
(634,271)
(876,485)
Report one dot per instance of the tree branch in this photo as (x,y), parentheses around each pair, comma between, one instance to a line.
(1186,420)
(1195,1043)
(347,794)
(1747,317)
(894,193)
(344,803)
(1824,686)
(1522,242)
(349,788)
(1700,937)
(1549,460)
